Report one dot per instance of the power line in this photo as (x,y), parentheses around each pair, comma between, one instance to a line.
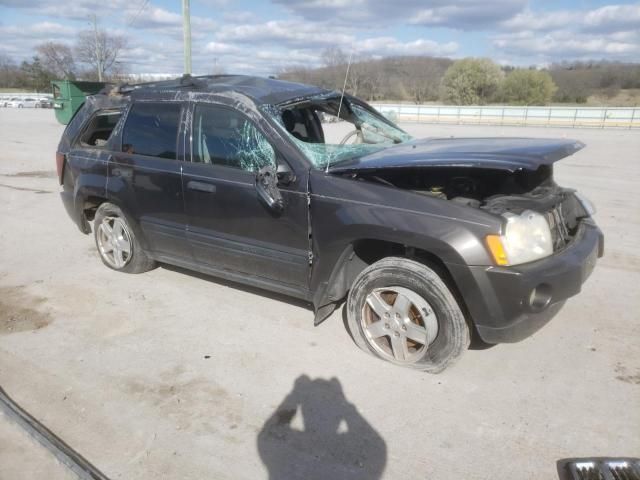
(135,17)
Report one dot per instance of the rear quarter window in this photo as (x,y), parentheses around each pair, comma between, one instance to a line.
(99,128)
(151,129)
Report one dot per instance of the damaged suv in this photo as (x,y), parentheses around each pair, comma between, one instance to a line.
(429,241)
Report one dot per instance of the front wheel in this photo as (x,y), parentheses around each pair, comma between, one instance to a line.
(117,244)
(401,311)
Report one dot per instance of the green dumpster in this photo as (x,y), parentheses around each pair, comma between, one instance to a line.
(69,95)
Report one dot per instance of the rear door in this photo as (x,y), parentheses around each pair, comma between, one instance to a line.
(229,228)
(145,176)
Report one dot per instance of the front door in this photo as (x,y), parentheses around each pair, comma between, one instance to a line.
(229,228)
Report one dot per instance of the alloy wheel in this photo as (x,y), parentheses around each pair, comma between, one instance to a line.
(114,241)
(398,323)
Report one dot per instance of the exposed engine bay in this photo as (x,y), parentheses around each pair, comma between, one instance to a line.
(496,191)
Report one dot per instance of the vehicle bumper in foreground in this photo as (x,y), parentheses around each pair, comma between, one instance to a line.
(508,304)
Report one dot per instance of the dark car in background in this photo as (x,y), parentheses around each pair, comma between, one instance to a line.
(429,241)
(44,103)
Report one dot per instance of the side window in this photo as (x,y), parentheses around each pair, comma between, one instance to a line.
(152,130)
(222,136)
(99,128)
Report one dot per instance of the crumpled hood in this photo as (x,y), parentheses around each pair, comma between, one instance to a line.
(498,153)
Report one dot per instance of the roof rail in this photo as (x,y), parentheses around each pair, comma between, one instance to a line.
(185,80)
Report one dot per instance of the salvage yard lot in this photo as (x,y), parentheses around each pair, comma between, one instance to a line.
(170,374)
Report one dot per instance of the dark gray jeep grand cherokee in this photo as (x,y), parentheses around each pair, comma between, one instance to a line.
(428,240)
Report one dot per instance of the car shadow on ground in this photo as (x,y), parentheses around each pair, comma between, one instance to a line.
(316,434)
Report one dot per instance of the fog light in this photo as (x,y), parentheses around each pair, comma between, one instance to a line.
(540,297)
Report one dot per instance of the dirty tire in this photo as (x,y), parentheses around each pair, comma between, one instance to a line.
(137,260)
(452,337)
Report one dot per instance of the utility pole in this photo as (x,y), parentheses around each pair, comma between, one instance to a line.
(98,49)
(186,30)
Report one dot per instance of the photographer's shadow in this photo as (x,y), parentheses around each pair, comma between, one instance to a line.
(316,434)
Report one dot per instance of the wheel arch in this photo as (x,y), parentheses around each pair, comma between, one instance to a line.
(91,204)
(363,252)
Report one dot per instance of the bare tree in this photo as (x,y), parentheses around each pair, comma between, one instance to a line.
(100,51)
(333,57)
(359,76)
(9,72)
(58,59)
(372,82)
(423,77)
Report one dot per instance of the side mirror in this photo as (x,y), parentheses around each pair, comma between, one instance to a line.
(285,174)
(267,188)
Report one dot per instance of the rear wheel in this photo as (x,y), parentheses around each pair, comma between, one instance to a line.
(401,311)
(116,242)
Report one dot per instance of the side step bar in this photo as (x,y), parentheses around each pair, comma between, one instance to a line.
(63,452)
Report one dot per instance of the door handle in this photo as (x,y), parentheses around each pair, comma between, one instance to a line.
(201,186)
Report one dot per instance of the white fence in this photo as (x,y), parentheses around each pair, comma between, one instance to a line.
(595,117)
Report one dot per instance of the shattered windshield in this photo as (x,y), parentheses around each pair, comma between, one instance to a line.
(329,131)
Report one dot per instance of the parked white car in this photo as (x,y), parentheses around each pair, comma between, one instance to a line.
(22,103)
(7,101)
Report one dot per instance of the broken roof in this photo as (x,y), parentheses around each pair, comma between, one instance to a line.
(261,90)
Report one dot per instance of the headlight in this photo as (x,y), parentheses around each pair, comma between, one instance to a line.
(588,206)
(527,237)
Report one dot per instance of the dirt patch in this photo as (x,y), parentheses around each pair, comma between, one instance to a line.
(25,189)
(195,404)
(17,312)
(33,174)
(625,376)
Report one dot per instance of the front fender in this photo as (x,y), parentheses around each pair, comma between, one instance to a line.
(345,212)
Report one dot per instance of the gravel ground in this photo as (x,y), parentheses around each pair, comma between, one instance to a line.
(173,375)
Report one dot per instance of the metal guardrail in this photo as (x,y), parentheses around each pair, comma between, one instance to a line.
(594,117)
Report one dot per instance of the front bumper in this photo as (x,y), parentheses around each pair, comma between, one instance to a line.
(508,304)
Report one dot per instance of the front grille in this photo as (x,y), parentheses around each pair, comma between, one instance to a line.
(563,221)
(602,468)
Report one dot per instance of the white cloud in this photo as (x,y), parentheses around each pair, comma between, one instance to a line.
(241,41)
(220,48)
(614,17)
(388,46)
(464,14)
(567,45)
(19,41)
(539,21)
(610,32)
(285,33)
(160,18)
(469,15)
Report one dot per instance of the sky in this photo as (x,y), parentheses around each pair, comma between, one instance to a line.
(263,37)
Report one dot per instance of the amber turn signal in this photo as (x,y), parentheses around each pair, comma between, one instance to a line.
(497,249)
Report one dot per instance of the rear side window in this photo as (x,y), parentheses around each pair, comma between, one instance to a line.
(152,130)
(99,128)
